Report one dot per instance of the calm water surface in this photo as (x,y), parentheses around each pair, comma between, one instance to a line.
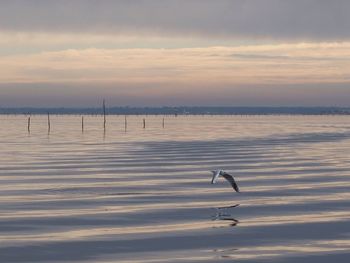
(144,195)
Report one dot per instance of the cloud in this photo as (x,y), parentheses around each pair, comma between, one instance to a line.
(167,94)
(264,64)
(252,19)
(281,74)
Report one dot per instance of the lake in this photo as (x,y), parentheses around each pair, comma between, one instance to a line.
(134,194)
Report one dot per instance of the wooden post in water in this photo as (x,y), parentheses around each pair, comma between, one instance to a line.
(104,114)
(144,123)
(28,126)
(82,124)
(48,122)
(125,123)
(163,123)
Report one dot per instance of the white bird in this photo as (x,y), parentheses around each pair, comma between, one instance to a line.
(227,176)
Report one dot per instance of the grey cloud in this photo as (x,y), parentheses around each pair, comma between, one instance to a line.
(259,56)
(270,19)
(74,95)
(286,57)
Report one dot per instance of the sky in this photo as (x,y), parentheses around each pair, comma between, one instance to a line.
(174,53)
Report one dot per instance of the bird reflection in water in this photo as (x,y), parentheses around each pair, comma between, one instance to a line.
(222,213)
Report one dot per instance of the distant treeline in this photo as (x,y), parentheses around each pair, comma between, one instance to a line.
(184,110)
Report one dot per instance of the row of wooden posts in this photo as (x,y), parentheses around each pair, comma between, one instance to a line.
(82,123)
(82,120)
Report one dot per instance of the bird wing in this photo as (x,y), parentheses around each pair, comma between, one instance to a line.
(231,180)
(226,207)
(215,176)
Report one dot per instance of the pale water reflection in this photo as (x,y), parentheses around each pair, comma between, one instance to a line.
(144,194)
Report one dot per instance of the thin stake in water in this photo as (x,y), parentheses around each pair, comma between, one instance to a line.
(48,122)
(28,126)
(104,114)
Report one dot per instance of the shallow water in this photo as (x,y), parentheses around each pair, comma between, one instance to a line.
(144,195)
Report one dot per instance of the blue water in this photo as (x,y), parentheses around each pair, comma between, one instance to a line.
(144,195)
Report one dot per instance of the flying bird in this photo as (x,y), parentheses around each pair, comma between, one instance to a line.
(227,176)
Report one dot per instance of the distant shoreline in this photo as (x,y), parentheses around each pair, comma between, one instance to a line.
(200,110)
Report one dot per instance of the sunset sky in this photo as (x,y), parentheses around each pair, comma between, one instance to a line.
(175,52)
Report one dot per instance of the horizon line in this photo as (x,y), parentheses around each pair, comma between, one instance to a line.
(180,110)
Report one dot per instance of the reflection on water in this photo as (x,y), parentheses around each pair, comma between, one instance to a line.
(144,195)
(224,213)
(233,221)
